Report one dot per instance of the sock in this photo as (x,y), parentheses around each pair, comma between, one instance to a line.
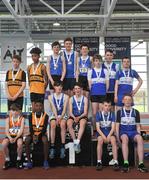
(7,159)
(126,162)
(99,161)
(141,162)
(77,141)
(18,158)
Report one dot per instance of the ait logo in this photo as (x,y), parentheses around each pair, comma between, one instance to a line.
(10,52)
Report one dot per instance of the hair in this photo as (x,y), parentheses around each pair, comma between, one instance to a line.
(15,107)
(107,101)
(38,101)
(129,95)
(36,50)
(108,50)
(84,45)
(58,83)
(125,57)
(97,56)
(16,57)
(68,39)
(78,84)
(56,43)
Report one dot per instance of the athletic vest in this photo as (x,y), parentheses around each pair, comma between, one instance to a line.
(38,123)
(125,82)
(58,103)
(70,65)
(112,75)
(56,66)
(105,122)
(78,107)
(84,65)
(98,86)
(37,84)
(128,122)
(14,126)
(14,86)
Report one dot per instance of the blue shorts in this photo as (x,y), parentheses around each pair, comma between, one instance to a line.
(130,135)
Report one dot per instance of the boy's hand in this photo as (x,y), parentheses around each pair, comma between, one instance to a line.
(108,138)
(11,140)
(76,120)
(104,139)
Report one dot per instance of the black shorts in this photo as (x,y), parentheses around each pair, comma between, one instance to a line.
(55,78)
(35,96)
(18,101)
(98,98)
(29,138)
(110,97)
(84,117)
(84,82)
(69,84)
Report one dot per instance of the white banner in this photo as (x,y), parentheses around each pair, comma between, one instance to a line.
(10,47)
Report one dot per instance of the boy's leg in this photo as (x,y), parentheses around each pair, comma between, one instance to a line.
(5,144)
(140,150)
(63,131)
(125,141)
(19,148)
(114,147)
(82,123)
(45,147)
(70,128)
(99,153)
(27,147)
(95,108)
(53,131)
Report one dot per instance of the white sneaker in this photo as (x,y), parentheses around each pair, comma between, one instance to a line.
(112,162)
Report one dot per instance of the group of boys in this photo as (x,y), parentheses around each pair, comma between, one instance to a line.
(75,76)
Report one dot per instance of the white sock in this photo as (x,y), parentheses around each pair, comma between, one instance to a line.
(77,141)
(18,158)
(99,161)
(7,159)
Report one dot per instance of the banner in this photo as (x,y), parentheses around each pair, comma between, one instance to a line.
(93,43)
(10,47)
(121,46)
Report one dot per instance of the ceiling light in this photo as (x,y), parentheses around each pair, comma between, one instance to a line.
(56,24)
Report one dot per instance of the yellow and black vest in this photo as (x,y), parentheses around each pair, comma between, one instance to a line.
(36,81)
(37,130)
(14,86)
(14,126)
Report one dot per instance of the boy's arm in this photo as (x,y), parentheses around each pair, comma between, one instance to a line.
(45,76)
(77,69)
(21,129)
(64,68)
(116,91)
(44,130)
(65,106)
(85,108)
(100,132)
(30,125)
(140,81)
(53,108)
(7,128)
(48,71)
(70,108)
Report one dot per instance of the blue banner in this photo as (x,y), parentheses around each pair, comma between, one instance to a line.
(121,46)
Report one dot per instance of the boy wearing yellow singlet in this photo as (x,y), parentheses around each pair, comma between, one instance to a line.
(37,77)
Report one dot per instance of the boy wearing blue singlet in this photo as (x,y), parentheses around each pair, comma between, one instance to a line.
(78,112)
(83,65)
(98,80)
(71,66)
(58,103)
(124,82)
(56,67)
(128,128)
(112,68)
(105,125)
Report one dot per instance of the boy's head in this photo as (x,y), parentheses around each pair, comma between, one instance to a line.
(16,61)
(109,55)
(127,100)
(58,86)
(106,105)
(38,106)
(35,52)
(15,109)
(68,43)
(97,60)
(56,46)
(77,88)
(84,49)
(126,62)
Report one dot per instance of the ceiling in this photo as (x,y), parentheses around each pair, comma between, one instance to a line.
(35,18)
